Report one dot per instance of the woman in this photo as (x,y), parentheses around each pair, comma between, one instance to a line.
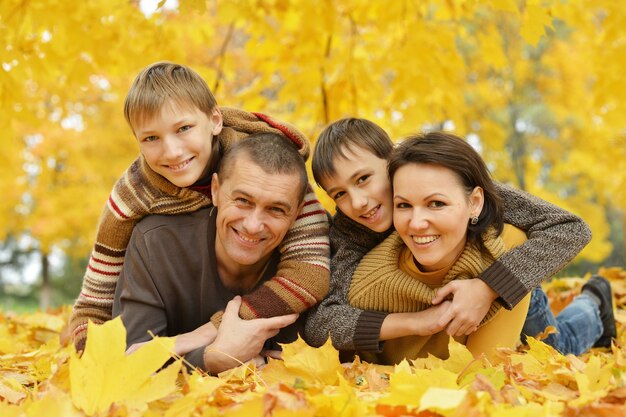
(448,221)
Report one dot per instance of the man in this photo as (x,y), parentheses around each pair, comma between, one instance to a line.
(180,270)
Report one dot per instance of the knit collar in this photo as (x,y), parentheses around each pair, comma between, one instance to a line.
(379,284)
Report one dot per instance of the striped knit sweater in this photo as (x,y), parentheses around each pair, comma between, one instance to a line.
(379,284)
(303,274)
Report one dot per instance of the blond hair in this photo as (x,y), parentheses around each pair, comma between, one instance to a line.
(163,81)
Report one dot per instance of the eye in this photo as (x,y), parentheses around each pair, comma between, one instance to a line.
(242,201)
(278,210)
(362,179)
(436,204)
(149,138)
(403,206)
(338,195)
(184,128)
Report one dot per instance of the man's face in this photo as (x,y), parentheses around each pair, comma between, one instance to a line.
(255,210)
(361,188)
(177,143)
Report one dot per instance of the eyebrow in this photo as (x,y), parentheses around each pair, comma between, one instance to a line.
(277,203)
(356,174)
(180,122)
(428,197)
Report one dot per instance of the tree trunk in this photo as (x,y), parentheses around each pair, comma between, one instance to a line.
(44,295)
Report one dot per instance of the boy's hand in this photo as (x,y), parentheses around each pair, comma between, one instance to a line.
(430,320)
(471,299)
(241,340)
(190,341)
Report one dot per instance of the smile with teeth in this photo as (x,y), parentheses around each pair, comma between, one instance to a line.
(247,239)
(181,165)
(371,212)
(422,240)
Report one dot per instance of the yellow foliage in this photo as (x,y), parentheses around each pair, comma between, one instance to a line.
(543,75)
(532,381)
(104,375)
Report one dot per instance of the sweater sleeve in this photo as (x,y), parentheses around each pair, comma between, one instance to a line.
(137,193)
(303,274)
(348,327)
(555,237)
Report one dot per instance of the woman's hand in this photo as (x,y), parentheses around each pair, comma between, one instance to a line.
(471,299)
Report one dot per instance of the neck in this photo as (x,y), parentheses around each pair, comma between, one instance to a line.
(240,279)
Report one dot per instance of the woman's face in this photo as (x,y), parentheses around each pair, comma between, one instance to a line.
(431,212)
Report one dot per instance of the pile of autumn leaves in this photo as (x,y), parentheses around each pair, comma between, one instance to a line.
(41,375)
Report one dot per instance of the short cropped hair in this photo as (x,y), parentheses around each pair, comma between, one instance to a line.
(454,153)
(343,135)
(272,153)
(163,81)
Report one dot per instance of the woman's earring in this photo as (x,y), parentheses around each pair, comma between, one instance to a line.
(474,220)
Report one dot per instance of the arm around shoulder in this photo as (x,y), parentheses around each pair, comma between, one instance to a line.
(555,237)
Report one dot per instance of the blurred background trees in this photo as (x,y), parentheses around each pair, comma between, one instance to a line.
(536,86)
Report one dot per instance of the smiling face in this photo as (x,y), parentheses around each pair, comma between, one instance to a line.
(361,189)
(431,213)
(177,143)
(255,211)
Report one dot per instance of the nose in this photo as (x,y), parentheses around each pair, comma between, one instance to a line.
(419,220)
(358,200)
(253,223)
(171,148)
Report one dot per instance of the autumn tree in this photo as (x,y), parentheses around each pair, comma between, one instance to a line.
(536,85)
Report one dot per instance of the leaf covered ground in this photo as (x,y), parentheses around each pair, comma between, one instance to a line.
(41,375)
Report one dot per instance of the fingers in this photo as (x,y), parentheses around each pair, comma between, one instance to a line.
(279,322)
(258,360)
(274,354)
(134,347)
(232,308)
(461,327)
(444,292)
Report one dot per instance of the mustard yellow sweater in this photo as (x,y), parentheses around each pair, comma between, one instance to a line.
(387,280)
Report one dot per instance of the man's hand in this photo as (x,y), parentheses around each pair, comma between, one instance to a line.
(238,340)
(471,299)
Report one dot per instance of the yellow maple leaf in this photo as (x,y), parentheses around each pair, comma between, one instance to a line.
(593,382)
(340,401)
(458,360)
(200,388)
(442,400)
(312,364)
(535,19)
(52,405)
(407,386)
(105,374)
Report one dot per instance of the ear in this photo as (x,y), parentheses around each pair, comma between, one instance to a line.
(215,189)
(476,201)
(217,120)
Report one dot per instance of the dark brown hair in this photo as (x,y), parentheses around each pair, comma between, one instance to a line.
(272,153)
(342,135)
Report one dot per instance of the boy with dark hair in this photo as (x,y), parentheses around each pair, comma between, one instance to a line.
(350,164)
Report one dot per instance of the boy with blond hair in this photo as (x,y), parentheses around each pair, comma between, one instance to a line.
(182,134)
